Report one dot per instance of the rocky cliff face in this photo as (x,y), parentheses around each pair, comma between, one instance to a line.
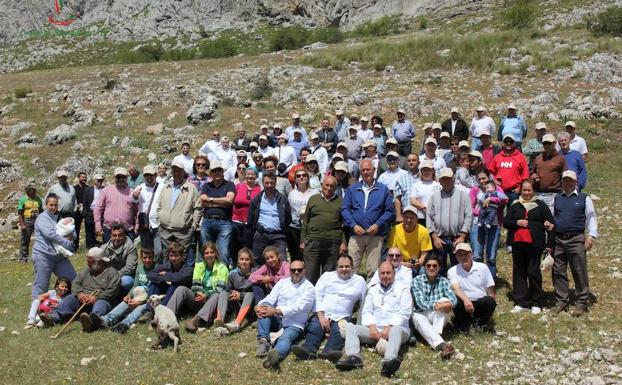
(147,19)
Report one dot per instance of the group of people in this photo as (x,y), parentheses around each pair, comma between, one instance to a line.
(417,223)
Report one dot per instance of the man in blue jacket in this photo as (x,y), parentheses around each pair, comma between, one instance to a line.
(368,212)
(512,124)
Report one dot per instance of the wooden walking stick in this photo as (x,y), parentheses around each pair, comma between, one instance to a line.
(73,317)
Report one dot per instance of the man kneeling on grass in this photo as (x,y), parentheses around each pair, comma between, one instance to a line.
(385,316)
(96,276)
(287,306)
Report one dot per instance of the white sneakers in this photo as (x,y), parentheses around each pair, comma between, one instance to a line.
(534,310)
(519,309)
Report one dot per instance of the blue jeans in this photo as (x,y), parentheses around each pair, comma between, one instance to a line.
(121,310)
(315,336)
(484,243)
(70,304)
(476,144)
(127,281)
(446,251)
(219,231)
(290,336)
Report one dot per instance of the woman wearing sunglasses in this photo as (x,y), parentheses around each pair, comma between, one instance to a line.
(199,175)
(244,192)
(298,199)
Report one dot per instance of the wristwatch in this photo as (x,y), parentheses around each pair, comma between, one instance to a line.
(211,199)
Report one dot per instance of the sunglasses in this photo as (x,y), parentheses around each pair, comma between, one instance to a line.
(431,265)
(302,176)
(200,164)
(508,142)
(296,271)
(241,168)
(344,266)
(393,255)
(391,159)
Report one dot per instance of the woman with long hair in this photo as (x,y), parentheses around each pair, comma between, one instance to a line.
(298,199)
(200,169)
(244,194)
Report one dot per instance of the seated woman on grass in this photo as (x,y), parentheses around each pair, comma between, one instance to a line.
(266,276)
(208,280)
(239,293)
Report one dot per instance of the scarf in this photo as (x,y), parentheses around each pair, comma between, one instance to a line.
(528,204)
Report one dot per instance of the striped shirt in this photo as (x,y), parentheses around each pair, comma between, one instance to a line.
(449,213)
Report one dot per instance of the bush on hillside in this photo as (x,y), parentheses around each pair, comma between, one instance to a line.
(386,25)
(289,38)
(221,47)
(329,35)
(522,14)
(22,92)
(608,22)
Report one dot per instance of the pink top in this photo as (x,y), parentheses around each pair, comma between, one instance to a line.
(242,201)
(114,205)
(496,200)
(281,272)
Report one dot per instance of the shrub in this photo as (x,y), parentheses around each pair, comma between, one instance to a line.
(520,15)
(261,88)
(221,47)
(153,52)
(289,38)
(22,92)
(608,22)
(386,25)
(327,35)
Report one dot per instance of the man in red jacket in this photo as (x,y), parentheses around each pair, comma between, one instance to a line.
(509,168)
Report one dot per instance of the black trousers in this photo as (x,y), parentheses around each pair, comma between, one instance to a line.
(526,276)
(293,243)
(481,316)
(320,256)
(89,231)
(77,218)
(264,239)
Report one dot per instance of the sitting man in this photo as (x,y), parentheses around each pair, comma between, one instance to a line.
(434,301)
(403,273)
(97,285)
(336,293)
(385,316)
(166,277)
(134,304)
(121,252)
(287,306)
(475,288)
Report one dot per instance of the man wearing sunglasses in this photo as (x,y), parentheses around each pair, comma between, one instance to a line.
(403,274)
(287,306)
(385,315)
(434,302)
(509,168)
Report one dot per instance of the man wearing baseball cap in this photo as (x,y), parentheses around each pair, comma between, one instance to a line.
(448,218)
(66,195)
(289,131)
(455,125)
(481,122)
(404,132)
(364,131)
(577,143)
(319,151)
(534,146)
(411,238)
(573,210)
(115,205)
(509,168)
(513,124)
(547,171)
(176,213)
(393,173)
(91,194)
(429,148)
(354,144)
(341,125)
(146,196)
(98,275)
(475,288)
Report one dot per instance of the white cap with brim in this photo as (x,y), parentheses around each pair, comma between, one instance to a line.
(410,208)
(426,164)
(215,165)
(454,110)
(509,136)
(540,126)
(263,137)
(480,108)
(341,144)
(437,126)
(548,138)
(463,247)
(369,143)
(314,136)
(339,112)
(120,171)
(476,154)
(337,156)
(178,164)
(401,111)
(445,134)
(464,143)
(393,154)
(571,124)
(430,140)
(97,253)
(341,166)
(310,158)
(295,116)
(253,144)
(569,174)
(391,141)
(98,176)
(61,173)
(150,170)
(446,173)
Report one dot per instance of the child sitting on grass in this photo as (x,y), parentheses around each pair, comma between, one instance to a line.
(48,302)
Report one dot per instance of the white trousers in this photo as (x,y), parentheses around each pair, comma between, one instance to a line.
(430,325)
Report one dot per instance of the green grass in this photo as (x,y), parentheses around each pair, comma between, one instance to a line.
(608,22)
(22,92)
(521,14)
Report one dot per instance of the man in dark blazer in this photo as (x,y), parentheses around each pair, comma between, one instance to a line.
(78,215)
(90,197)
(242,141)
(456,126)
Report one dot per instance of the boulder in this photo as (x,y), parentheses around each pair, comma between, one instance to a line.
(60,134)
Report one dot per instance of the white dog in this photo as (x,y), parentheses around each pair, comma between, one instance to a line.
(167,327)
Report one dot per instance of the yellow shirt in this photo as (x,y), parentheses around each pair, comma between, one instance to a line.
(410,244)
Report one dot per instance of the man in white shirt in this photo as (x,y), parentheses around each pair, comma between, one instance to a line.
(475,288)
(287,306)
(147,195)
(336,293)
(341,125)
(403,274)
(484,122)
(364,132)
(430,154)
(385,317)
(289,131)
(284,153)
(577,143)
(211,145)
(264,149)
(225,155)
(319,151)
(185,157)
(390,177)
